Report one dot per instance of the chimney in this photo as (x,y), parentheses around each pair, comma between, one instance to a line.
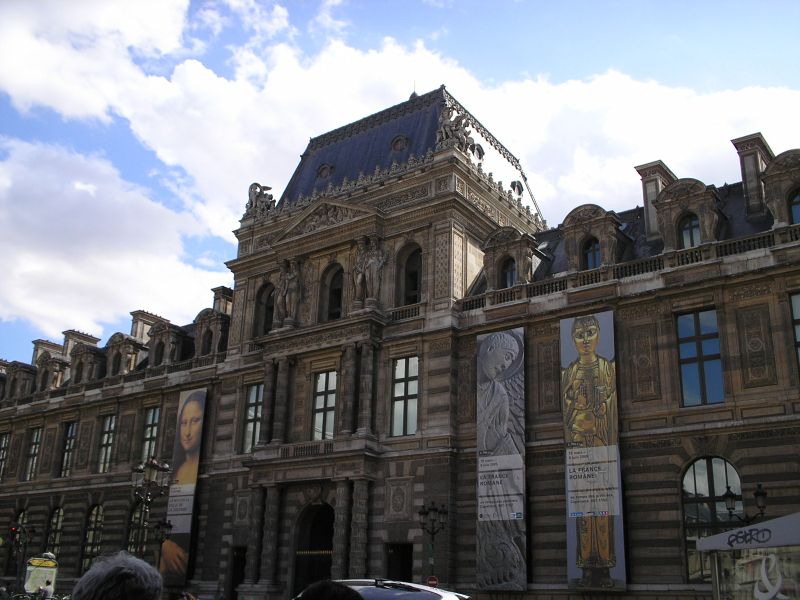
(72,338)
(754,154)
(223,299)
(141,324)
(42,346)
(655,177)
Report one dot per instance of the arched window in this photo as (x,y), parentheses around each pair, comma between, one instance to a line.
(689,231)
(158,355)
(409,276)
(794,208)
(264,310)
(78,372)
(508,273)
(207,344)
(330,301)
(590,254)
(137,533)
(704,485)
(93,536)
(54,531)
(116,363)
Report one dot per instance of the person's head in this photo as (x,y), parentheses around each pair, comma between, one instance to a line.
(48,582)
(499,351)
(190,422)
(119,577)
(329,590)
(586,334)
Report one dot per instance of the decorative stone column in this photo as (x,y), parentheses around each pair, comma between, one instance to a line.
(365,389)
(281,400)
(358,529)
(269,402)
(349,381)
(341,530)
(269,546)
(254,535)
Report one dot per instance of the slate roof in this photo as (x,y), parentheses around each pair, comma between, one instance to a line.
(361,146)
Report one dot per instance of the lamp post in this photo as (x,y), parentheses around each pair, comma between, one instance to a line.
(760,496)
(163,530)
(20,537)
(150,480)
(433,520)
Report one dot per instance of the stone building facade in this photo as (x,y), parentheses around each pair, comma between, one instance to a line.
(341,375)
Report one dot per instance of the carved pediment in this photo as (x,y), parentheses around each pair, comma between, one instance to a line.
(681,189)
(323,216)
(785,161)
(582,214)
(501,237)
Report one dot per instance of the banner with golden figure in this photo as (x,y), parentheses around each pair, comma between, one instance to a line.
(501,545)
(175,551)
(595,534)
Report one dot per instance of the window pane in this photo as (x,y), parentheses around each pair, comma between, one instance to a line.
(319,401)
(413,366)
(399,369)
(701,477)
(690,381)
(321,382)
(332,380)
(685,326)
(318,426)
(720,477)
(398,390)
(397,418)
(796,306)
(691,513)
(711,346)
(797,332)
(412,416)
(329,426)
(689,488)
(713,374)
(412,387)
(688,350)
(708,321)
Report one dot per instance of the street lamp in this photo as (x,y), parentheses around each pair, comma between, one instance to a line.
(433,520)
(20,538)
(163,530)
(761,503)
(150,480)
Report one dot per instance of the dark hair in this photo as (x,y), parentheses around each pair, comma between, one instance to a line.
(119,576)
(329,590)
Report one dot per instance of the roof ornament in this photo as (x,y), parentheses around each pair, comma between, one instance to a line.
(259,202)
(453,131)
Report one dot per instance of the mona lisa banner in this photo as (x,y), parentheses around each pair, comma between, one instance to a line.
(175,551)
(595,534)
(501,562)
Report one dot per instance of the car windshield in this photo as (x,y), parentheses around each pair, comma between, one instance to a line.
(388,591)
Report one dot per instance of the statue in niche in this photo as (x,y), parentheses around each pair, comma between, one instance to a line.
(375,259)
(280,296)
(359,271)
(293,290)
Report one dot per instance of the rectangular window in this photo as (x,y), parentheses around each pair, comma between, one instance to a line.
(405,383)
(699,358)
(324,405)
(4,442)
(68,450)
(796,324)
(35,441)
(106,443)
(151,419)
(252,416)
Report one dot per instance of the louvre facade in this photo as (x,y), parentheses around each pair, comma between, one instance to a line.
(348,381)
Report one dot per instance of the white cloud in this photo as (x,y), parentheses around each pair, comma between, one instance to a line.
(79,260)
(325,22)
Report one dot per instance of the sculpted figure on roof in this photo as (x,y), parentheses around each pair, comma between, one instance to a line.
(259,201)
(453,131)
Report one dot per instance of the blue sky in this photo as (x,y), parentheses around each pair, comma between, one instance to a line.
(130,131)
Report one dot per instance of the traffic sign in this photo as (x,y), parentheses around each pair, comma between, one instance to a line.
(433,581)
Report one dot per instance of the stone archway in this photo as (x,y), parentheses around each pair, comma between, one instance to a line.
(313,546)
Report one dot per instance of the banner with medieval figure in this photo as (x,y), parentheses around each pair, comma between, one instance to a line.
(500,415)
(595,535)
(175,551)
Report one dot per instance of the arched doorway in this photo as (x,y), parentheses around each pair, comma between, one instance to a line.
(314,547)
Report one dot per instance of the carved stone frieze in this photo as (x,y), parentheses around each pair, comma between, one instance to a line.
(642,311)
(754,290)
(441,264)
(415,193)
(643,363)
(331,337)
(399,499)
(766,434)
(327,215)
(755,345)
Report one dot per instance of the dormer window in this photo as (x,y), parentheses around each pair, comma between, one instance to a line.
(116,363)
(794,208)
(590,254)
(208,340)
(324,171)
(44,380)
(158,355)
(689,231)
(78,372)
(399,143)
(508,273)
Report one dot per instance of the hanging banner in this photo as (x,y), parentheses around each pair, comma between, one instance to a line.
(175,551)
(595,535)
(501,538)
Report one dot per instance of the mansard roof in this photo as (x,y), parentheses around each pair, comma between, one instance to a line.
(376,142)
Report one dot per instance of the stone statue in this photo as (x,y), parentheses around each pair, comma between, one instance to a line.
(259,201)
(280,296)
(375,259)
(359,271)
(293,290)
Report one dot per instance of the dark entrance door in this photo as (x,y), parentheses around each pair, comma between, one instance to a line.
(399,562)
(312,560)
(239,559)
